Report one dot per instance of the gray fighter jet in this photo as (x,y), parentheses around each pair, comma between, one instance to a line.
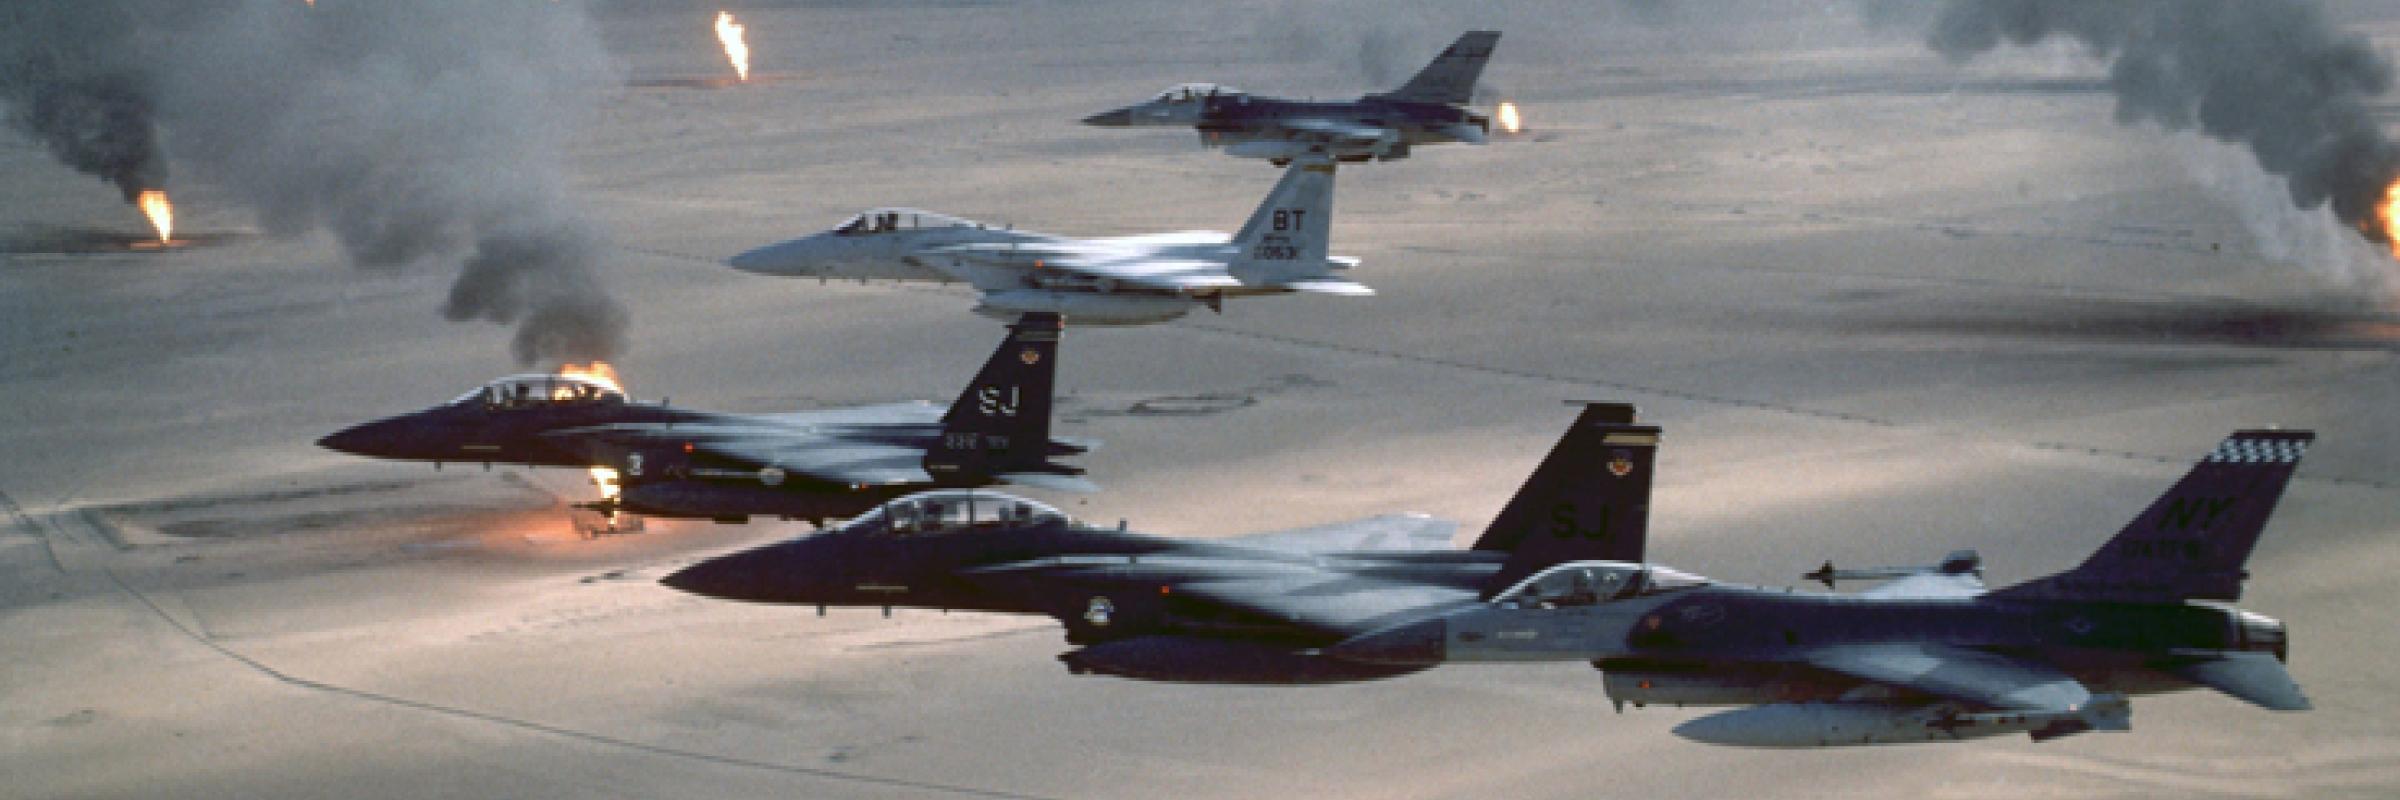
(1250,609)
(1931,656)
(1127,280)
(1426,110)
(813,465)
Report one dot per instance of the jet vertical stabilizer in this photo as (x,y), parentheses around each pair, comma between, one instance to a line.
(1451,78)
(1285,242)
(2191,543)
(1000,426)
(1589,499)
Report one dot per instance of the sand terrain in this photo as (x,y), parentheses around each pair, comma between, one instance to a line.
(1885,307)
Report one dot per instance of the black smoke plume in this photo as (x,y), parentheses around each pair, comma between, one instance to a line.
(91,112)
(2273,76)
(417,132)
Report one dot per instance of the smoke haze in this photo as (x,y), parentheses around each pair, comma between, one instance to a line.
(2273,76)
(417,132)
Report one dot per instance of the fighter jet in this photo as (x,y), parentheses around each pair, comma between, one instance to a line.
(1130,280)
(1425,110)
(812,465)
(1251,609)
(1929,657)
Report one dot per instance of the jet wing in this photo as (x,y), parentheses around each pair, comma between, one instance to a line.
(1342,605)
(1973,676)
(914,411)
(1926,585)
(1172,263)
(1175,274)
(1298,592)
(1388,533)
(825,459)
(788,442)
(1334,131)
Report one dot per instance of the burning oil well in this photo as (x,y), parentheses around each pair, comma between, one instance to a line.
(417,133)
(2274,77)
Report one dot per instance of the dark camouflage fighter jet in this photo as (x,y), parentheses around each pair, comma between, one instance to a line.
(1929,657)
(813,465)
(1429,109)
(1251,609)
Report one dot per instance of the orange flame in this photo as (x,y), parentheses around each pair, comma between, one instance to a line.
(1508,118)
(161,213)
(598,371)
(729,33)
(2388,213)
(606,479)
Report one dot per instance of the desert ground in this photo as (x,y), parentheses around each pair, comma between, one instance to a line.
(1884,305)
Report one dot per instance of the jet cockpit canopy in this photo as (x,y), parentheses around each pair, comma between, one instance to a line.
(886,220)
(953,511)
(1195,92)
(1583,583)
(537,389)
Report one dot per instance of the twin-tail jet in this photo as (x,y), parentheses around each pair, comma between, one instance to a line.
(1249,609)
(812,465)
(1126,280)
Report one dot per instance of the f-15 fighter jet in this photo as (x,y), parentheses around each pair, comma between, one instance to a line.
(1127,280)
(813,465)
(1929,657)
(1428,109)
(1248,609)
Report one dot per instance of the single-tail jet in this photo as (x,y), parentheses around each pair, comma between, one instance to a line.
(1428,109)
(812,465)
(1250,609)
(1127,280)
(1931,656)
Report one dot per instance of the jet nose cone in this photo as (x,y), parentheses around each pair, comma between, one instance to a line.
(706,578)
(358,440)
(795,257)
(726,578)
(1406,644)
(1120,118)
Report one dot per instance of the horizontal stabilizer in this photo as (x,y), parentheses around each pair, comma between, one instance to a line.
(2254,677)
(1471,134)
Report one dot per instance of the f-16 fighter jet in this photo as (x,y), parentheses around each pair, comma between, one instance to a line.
(1929,657)
(1251,609)
(1129,280)
(1426,110)
(813,465)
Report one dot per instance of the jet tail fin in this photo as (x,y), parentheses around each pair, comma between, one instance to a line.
(1001,422)
(2191,543)
(1285,241)
(1451,78)
(1589,499)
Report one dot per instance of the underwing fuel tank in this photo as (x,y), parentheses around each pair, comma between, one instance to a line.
(1837,724)
(1084,308)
